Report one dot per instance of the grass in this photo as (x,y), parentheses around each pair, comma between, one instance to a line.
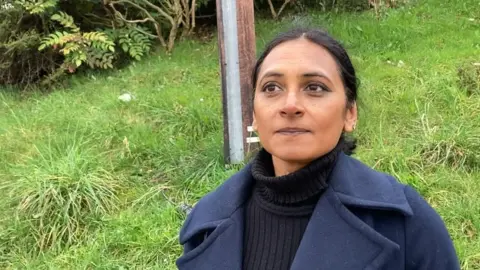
(93,182)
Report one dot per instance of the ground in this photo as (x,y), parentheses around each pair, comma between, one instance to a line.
(117,174)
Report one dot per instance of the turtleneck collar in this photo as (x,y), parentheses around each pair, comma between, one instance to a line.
(294,188)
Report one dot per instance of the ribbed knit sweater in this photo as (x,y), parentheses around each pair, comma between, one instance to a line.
(278,211)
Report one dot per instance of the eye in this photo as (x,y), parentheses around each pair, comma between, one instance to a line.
(270,88)
(315,87)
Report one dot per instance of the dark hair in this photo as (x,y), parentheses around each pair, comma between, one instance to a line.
(346,69)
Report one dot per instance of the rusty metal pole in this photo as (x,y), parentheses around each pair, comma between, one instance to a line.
(236,43)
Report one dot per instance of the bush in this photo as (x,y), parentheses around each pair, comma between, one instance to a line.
(175,16)
(39,40)
(20,35)
(276,7)
(348,5)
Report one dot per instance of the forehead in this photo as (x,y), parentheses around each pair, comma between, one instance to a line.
(300,55)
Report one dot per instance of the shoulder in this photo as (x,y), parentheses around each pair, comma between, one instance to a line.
(218,204)
(428,243)
(367,184)
(424,220)
(358,185)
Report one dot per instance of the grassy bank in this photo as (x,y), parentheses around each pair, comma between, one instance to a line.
(132,166)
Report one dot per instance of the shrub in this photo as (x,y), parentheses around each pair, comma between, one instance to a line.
(20,35)
(132,40)
(276,7)
(94,48)
(39,41)
(174,15)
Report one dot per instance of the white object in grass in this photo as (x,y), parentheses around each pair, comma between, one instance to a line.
(126,97)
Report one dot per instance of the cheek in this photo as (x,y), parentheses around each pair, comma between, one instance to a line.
(264,114)
(327,114)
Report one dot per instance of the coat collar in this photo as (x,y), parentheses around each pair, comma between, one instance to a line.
(359,185)
(332,229)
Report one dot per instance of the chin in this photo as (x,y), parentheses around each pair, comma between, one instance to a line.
(294,154)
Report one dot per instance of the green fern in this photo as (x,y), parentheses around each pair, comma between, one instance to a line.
(96,49)
(70,47)
(100,58)
(99,40)
(76,57)
(57,39)
(37,6)
(66,21)
(135,42)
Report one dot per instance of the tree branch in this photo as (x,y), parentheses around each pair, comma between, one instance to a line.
(131,21)
(158,29)
(161,11)
(283,6)
(185,8)
(150,18)
(205,16)
(193,9)
(101,21)
(145,33)
(168,4)
(272,9)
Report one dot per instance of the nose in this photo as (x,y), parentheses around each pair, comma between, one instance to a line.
(292,106)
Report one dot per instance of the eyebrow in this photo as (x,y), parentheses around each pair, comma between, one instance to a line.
(306,75)
(272,74)
(314,74)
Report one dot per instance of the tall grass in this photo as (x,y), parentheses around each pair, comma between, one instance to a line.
(89,181)
(59,191)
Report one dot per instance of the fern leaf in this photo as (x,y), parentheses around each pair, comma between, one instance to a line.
(56,17)
(65,20)
(69,48)
(37,7)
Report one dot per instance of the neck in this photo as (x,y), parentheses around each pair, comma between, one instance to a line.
(289,183)
(282,167)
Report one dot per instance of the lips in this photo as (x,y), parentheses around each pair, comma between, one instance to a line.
(292,131)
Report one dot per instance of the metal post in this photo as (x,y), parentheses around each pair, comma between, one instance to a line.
(236,40)
(233,91)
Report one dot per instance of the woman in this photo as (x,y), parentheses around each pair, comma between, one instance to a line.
(303,203)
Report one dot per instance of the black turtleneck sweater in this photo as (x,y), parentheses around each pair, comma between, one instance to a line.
(278,211)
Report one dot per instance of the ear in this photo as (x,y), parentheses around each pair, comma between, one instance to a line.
(350,118)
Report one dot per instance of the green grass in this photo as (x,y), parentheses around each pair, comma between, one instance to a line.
(91,182)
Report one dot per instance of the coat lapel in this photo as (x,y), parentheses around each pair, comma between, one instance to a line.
(220,212)
(221,250)
(337,239)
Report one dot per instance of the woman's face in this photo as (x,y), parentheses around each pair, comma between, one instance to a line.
(300,105)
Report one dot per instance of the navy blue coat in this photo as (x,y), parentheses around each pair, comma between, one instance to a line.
(364,220)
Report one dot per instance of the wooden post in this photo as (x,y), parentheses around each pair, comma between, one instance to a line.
(236,64)
(247,56)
